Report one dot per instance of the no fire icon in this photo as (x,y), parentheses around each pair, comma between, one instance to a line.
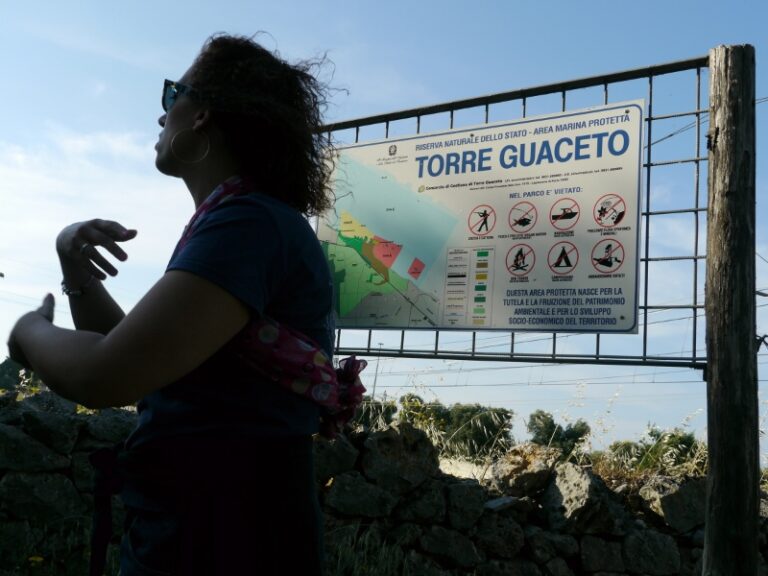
(520,260)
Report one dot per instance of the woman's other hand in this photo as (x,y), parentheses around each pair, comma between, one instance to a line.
(77,243)
(45,312)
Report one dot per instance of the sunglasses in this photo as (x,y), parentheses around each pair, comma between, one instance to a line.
(172,90)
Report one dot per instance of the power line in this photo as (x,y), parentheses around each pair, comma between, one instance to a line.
(693,124)
(501,368)
(540,384)
(569,381)
(572,399)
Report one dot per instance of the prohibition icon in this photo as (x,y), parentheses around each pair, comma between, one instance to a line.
(564,214)
(609,210)
(520,260)
(562,258)
(607,256)
(482,220)
(522,217)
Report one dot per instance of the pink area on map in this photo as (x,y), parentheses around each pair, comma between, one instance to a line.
(416,268)
(386,251)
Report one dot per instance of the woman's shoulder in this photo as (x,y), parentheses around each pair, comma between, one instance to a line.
(256,205)
(261,214)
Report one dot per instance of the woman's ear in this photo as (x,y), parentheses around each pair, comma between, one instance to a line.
(202,119)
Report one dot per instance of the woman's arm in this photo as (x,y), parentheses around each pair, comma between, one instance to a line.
(94,309)
(181,322)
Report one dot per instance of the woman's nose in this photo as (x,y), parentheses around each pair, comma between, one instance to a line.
(161,120)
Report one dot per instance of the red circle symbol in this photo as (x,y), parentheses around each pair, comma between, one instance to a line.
(607,256)
(562,258)
(520,260)
(564,214)
(522,217)
(482,220)
(609,210)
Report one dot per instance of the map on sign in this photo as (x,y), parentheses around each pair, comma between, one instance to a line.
(525,225)
(382,249)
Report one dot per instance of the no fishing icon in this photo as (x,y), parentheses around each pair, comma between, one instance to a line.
(522,217)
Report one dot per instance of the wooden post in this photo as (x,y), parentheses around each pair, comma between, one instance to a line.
(731,532)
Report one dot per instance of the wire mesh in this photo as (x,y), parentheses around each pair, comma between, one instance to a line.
(673,222)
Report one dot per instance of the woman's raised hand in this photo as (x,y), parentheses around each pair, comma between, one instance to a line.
(76,244)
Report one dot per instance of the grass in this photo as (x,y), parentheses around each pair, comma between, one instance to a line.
(366,554)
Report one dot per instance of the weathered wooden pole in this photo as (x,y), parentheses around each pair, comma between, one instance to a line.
(730,546)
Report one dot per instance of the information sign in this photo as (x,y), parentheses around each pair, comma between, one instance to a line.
(529,225)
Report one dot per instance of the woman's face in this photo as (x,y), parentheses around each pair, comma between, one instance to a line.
(177,137)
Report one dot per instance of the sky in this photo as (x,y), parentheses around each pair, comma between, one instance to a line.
(80,100)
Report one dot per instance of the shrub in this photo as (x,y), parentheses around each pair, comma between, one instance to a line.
(544,431)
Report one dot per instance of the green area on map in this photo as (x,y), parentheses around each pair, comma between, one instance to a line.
(368,291)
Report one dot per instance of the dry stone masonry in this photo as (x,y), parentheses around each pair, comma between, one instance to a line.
(533,517)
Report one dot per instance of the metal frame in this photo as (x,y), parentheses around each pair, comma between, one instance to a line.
(696,305)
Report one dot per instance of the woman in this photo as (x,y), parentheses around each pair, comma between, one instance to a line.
(219,476)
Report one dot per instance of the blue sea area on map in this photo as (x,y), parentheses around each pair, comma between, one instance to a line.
(395,212)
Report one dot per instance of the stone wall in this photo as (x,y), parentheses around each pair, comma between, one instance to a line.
(46,482)
(534,517)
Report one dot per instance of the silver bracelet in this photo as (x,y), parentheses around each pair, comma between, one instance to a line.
(67,291)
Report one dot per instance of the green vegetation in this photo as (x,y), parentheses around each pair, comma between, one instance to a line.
(14,377)
(480,434)
(468,431)
(673,452)
(375,414)
(477,432)
(367,555)
(543,429)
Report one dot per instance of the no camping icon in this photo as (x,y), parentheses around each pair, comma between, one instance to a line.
(482,220)
(562,258)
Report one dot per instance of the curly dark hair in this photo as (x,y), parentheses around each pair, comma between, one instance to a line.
(270,112)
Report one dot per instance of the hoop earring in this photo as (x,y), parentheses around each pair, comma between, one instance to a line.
(194,160)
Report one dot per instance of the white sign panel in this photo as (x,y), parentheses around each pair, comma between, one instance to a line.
(529,225)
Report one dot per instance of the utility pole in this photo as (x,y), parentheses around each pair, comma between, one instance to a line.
(376,373)
(731,531)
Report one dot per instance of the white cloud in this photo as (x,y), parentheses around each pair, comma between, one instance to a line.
(120,147)
(138,55)
(71,177)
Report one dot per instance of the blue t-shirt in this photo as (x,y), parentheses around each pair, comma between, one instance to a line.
(264,253)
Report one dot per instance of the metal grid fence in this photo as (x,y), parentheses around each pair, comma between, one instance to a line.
(673,222)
